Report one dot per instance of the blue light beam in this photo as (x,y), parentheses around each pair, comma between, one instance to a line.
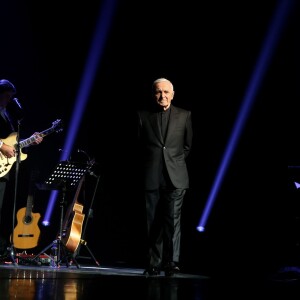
(268,47)
(102,29)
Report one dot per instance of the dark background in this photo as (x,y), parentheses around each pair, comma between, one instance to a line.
(209,51)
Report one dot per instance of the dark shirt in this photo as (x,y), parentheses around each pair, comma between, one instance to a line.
(164,120)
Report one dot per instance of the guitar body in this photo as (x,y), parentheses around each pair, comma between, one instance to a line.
(7,163)
(27,233)
(72,235)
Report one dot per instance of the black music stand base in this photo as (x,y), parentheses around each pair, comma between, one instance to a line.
(55,262)
(58,249)
(66,175)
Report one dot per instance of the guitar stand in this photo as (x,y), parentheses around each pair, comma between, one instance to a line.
(83,241)
(65,176)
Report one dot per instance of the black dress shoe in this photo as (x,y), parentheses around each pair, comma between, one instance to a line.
(152,271)
(171,269)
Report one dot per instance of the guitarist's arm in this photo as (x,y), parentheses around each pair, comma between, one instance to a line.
(38,138)
(10,151)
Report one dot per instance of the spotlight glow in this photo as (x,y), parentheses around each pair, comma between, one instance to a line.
(273,34)
(102,28)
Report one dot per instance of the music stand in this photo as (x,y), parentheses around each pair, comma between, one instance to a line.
(65,176)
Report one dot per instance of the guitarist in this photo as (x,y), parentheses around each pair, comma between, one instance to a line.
(10,114)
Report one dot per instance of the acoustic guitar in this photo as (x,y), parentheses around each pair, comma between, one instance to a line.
(27,232)
(72,224)
(7,163)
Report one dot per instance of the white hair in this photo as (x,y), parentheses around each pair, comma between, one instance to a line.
(161,80)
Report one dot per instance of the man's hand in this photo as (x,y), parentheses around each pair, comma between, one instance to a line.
(7,150)
(37,138)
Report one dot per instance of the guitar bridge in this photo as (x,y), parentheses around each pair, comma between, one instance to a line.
(25,235)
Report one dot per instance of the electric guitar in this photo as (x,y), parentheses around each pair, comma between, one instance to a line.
(72,225)
(7,163)
(27,232)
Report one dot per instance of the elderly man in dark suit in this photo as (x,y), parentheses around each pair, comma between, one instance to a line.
(165,135)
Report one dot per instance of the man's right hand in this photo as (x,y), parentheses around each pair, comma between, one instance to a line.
(7,150)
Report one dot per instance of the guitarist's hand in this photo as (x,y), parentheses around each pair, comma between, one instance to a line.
(38,138)
(7,150)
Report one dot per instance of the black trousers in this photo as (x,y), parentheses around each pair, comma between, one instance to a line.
(163,213)
(3,183)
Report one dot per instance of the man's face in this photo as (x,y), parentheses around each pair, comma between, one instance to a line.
(5,98)
(163,94)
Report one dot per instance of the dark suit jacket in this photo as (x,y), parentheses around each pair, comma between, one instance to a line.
(5,131)
(173,151)
(5,128)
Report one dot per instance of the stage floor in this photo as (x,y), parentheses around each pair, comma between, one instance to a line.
(87,281)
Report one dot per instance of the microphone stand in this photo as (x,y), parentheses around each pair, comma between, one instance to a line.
(18,159)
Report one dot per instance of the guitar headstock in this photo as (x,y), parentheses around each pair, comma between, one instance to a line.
(57,125)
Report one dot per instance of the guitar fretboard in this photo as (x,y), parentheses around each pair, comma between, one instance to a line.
(31,139)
